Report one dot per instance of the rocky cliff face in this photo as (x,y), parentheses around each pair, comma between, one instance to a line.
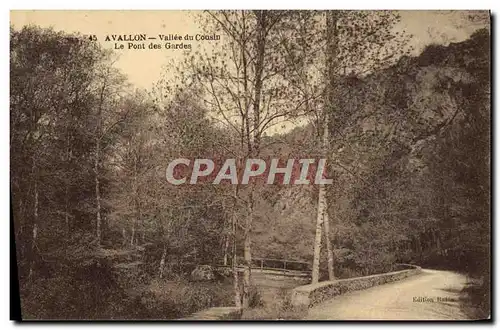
(388,122)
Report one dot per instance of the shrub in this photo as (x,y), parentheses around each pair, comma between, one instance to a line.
(475,298)
(254,297)
(167,299)
(280,308)
(83,291)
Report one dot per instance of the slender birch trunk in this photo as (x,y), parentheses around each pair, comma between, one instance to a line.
(322,213)
(332,40)
(329,97)
(326,226)
(317,239)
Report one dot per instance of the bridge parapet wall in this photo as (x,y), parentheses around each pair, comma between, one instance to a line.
(313,294)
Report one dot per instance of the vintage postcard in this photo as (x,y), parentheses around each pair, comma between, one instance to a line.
(251,164)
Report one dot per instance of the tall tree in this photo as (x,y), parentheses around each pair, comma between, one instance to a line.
(356,43)
(244,81)
(110,117)
(51,92)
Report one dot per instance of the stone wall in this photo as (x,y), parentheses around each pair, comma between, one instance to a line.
(313,294)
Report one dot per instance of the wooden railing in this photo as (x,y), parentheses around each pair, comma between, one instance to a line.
(276,264)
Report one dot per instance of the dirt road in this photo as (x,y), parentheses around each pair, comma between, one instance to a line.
(432,295)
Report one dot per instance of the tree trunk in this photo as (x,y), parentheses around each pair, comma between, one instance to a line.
(97,193)
(66,188)
(418,244)
(97,160)
(132,236)
(236,285)
(254,149)
(68,174)
(247,274)
(66,208)
(137,216)
(21,248)
(124,236)
(162,261)
(259,67)
(438,241)
(226,248)
(317,238)
(34,234)
(322,215)
(326,218)
(137,201)
(326,226)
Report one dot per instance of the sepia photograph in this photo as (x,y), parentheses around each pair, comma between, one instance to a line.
(223,165)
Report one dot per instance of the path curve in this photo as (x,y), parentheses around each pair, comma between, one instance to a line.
(431,295)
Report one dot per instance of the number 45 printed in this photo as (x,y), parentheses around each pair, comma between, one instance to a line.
(91,37)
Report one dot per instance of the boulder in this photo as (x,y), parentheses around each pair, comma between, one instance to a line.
(203,273)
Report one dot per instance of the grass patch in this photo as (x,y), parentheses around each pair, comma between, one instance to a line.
(171,300)
(277,306)
(475,298)
(70,298)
